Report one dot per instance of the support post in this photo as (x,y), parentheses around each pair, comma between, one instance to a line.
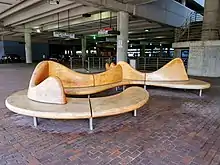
(35,121)
(83,50)
(135,112)
(90,124)
(200,93)
(28,49)
(122,39)
(71,62)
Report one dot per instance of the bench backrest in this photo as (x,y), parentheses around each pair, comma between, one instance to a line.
(129,73)
(40,73)
(172,71)
(113,75)
(69,77)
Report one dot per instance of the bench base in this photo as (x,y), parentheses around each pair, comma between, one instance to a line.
(35,120)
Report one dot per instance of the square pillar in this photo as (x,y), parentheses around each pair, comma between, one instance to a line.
(122,39)
(211,20)
(83,49)
(28,48)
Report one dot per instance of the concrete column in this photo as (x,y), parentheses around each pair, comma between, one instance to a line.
(142,53)
(2,50)
(177,53)
(161,51)
(122,39)
(83,49)
(28,49)
(211,20)
(204,57)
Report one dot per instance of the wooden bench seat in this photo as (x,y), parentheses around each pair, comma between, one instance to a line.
(188,84)
(78,108)
(129,100)
(75,108)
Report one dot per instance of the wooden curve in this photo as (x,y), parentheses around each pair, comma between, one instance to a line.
(48,91)
(112,64)
(74,83)
(68,77)
(113,75)
(129,73)
(172,71)
(44,88)
(107,66)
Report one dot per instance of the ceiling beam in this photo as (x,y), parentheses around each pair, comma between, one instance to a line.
(167,12)
(48,16)
(17,7)
(33,11)
(78,11)
(94,17)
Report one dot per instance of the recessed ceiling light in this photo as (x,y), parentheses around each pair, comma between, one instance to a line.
(160,37)
(36,27)
(38,31)
(146,30)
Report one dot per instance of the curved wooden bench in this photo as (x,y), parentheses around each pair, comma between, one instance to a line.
(79,108)
(53,79)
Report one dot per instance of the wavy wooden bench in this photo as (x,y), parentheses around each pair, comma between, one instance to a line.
(52,79)
(79,108)
(171,75)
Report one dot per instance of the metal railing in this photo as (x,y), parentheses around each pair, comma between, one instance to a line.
(75,62)
(96,64)
(154,63)
(184,30)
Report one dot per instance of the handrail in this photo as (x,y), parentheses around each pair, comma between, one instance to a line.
(94,63)
(185,28)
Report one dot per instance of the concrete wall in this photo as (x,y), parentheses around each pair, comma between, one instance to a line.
(204,57)
(12,47)
(38,49)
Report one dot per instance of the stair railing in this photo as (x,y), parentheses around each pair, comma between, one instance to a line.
(185,28)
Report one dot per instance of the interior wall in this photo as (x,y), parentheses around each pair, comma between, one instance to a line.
(38,49)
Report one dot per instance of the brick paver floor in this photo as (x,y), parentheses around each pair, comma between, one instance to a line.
(175,127)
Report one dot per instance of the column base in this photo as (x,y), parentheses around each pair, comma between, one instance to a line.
(204,58)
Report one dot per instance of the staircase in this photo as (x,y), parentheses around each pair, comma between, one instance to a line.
(191,30)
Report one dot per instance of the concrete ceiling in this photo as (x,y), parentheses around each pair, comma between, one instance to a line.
(6,4)
(23,15)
